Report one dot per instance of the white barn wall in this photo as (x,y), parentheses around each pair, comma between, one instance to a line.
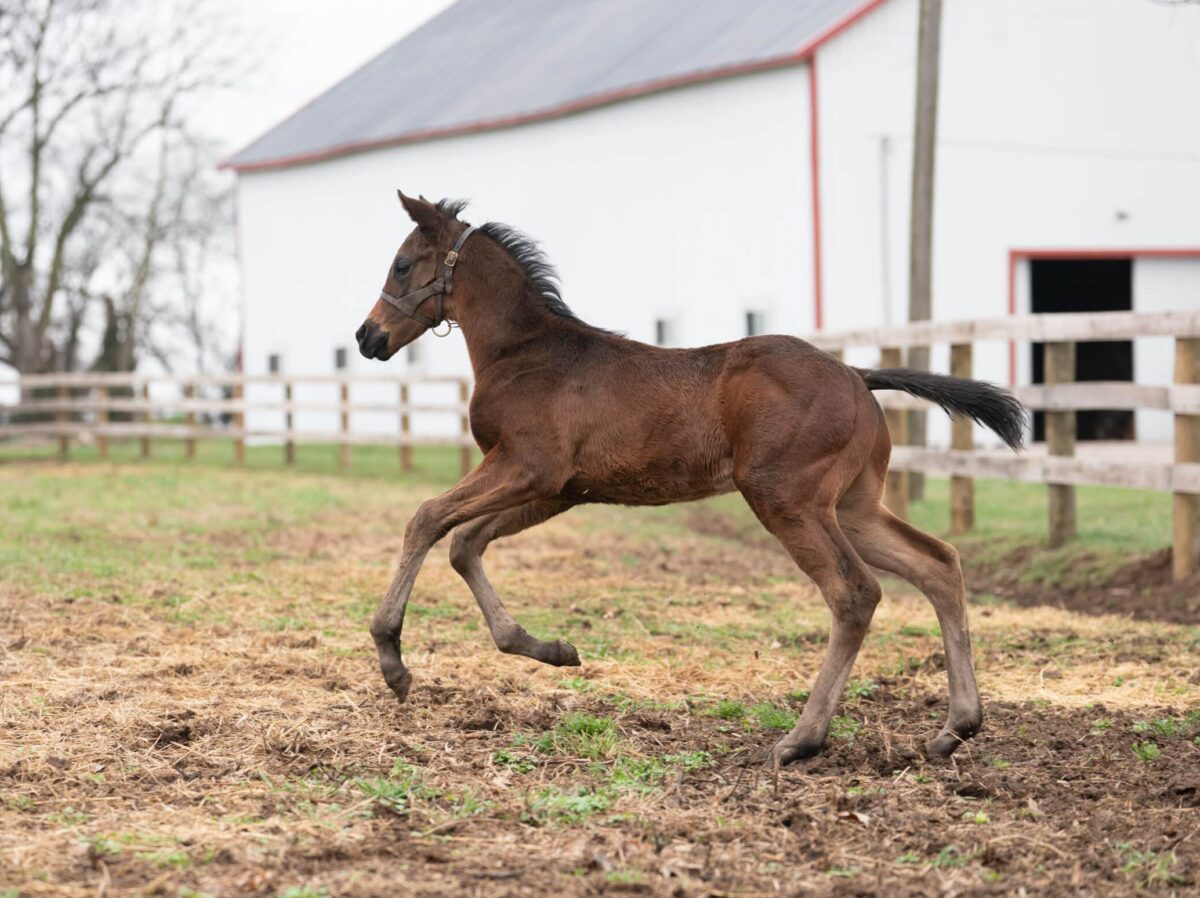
(692,203)
(1159,285)
(1055,115)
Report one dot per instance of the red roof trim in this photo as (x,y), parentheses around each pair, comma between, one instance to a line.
(799,55)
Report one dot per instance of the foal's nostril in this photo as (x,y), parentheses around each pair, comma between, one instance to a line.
(378,345)
(360,333)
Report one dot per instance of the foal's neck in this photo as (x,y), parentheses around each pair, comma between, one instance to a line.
(507,314)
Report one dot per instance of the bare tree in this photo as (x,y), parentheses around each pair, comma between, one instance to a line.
(92,117)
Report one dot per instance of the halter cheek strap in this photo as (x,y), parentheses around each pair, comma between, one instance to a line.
(409,303)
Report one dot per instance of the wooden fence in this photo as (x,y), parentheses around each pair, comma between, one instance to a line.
(71,406)
(1060,398)
(104,407)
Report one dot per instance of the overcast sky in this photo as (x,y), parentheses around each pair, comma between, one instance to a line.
(300,48)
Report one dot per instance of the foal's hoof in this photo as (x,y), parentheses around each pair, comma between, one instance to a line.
(787,752)
(945,744)
(564,654)
(400,684)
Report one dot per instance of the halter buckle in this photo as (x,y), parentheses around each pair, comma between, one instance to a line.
(451,258)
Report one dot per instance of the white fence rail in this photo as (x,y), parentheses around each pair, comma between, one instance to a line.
(1060,398)
(102,407)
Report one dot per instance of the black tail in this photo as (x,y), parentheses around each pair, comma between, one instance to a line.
(987,404)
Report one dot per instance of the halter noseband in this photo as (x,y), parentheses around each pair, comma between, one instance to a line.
(409,303)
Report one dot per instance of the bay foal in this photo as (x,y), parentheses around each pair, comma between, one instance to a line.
(568,414)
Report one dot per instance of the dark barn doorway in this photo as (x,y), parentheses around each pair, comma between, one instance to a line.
(1087,285)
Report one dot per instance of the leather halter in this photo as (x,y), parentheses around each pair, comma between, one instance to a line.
(409,303)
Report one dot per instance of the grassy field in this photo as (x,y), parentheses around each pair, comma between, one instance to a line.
(191,704)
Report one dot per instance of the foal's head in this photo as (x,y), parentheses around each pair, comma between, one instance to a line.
(416,269)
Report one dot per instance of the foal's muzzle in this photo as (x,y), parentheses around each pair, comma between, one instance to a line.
(372,341)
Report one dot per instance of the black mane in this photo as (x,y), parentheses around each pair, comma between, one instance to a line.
(527,253)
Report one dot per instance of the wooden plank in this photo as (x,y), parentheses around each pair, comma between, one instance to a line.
(229,406)
(101,420)
(144,417)
(962,438)
(1080,396)
(895,491)
(406,461)
(180,431)
(189,444)
(64,442)
(1185,552)
(1060,441)
(1057,327)
(464,396)
(1093,395)
(127,379)
(239,426)
(1184,399)
(344,425)
(982,465)
(289,423)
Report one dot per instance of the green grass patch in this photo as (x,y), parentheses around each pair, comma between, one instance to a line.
(564,807)
(770,716)
(582,736)
(1150,868)
(727,710)
(1147,752)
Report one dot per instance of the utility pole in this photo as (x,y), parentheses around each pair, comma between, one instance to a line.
(920,264)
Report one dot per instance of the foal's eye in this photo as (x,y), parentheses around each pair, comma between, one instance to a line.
(402,268)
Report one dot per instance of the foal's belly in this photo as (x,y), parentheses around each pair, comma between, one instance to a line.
(653,485)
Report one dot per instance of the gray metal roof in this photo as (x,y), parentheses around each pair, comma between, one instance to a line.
(484,64)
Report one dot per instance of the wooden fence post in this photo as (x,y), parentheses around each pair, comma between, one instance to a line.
(144,417)
(1185,552)
(189,420)
(464,396)
(101,392)
(1060,441)
(962,437)
(289,443)
(344,448)
(405,430)
(895,495)
(239,423)
(61,418)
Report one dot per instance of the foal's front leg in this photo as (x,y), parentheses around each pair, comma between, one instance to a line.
(496,485)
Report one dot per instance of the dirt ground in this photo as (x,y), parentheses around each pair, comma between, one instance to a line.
(191,706)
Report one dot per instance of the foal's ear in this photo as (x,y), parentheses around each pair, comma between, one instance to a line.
(421,211)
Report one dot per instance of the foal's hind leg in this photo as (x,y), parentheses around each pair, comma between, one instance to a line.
(932,566)
(466,555)
(816,543)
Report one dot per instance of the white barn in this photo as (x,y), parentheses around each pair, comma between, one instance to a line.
(701,169)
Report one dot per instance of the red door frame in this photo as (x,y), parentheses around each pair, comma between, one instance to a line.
(1016,255)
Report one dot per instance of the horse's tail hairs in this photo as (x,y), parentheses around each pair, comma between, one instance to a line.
(987,404)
